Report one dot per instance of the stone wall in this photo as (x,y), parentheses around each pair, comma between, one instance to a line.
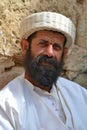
(11,13)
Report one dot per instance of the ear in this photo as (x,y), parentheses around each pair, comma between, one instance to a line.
(65,51)
(24,45)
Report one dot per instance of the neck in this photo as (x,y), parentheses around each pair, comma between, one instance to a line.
(28,77)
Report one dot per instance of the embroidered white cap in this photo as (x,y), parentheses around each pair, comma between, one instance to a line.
(48,21)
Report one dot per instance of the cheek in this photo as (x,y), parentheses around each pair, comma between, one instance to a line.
(59,56)
(36,51)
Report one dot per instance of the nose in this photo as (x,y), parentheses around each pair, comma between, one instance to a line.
(49,51)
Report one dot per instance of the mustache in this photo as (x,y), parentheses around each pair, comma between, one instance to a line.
(49,60)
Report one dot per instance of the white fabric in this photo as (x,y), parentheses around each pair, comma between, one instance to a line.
(51,99)
(21,108)
(48,21)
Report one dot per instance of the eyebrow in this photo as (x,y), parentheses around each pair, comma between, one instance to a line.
(44,41)
(57,45)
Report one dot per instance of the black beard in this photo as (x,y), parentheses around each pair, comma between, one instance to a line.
(44,75)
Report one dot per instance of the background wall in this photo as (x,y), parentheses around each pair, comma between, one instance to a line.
(11,13)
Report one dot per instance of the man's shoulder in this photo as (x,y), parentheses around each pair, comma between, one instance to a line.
(11,97)
(66,82)
(69,85)
(11,87)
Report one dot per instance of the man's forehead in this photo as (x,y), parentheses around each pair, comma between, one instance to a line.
(47,32)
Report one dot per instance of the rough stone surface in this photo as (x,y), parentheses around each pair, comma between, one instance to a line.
(7,76)
(76,62)
(11,13)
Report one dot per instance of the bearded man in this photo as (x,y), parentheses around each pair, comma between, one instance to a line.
(40,99)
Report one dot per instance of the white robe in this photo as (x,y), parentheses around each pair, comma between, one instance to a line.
(23,109)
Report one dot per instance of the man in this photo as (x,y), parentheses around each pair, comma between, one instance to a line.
(40,99)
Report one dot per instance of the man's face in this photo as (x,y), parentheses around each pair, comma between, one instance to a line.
(44,58)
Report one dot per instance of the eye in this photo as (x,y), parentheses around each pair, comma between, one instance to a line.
(43,43)
(57,46)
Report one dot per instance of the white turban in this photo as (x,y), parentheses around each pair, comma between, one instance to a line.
(48,21)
